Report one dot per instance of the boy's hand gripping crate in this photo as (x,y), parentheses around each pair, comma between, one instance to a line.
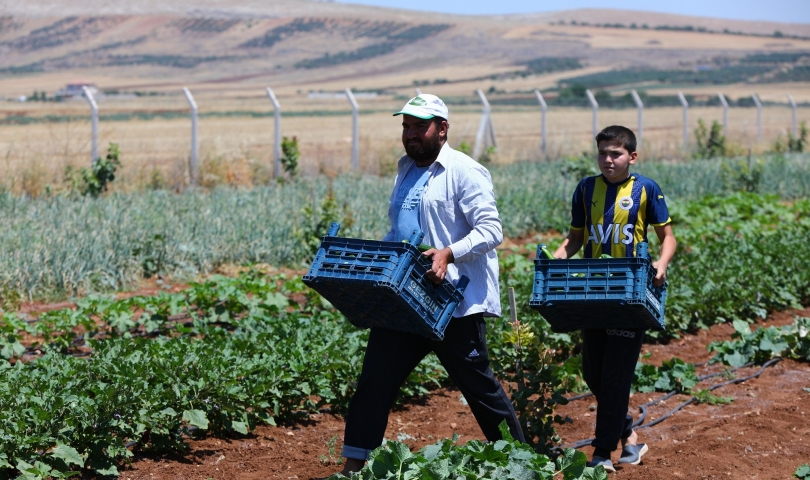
(383,284)
(598,292)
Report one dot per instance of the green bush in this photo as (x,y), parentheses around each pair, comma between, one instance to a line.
(709,144)
(94,181)
(290,155)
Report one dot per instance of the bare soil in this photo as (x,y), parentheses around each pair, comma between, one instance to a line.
(763,434)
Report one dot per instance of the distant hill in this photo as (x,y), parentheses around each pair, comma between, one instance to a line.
(153,44)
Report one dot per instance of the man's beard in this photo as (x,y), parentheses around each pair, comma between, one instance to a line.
(426,151)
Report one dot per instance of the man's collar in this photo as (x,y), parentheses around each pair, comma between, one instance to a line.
(444,155)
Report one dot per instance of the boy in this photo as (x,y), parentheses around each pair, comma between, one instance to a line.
(610,214)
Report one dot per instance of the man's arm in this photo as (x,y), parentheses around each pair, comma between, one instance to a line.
(668,245)
(572,243)
(476,200)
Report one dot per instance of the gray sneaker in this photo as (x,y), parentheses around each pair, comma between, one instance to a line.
(604,462)
(632,453)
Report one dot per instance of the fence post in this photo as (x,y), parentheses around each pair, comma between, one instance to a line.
(193,166)
(595,107)
(486,130)
(725,112)
(685,106)
(94,122)
(544,108)
(277,136)
(755,98)
(640,106)
(793,106)
(355,130)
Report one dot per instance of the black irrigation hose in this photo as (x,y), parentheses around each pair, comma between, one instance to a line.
(643,408)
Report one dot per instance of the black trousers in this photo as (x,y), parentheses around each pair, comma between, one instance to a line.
(609,360)
(390,358)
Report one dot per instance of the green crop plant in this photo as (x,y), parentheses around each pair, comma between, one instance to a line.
(705,396)
(673,374)
(318,218)
(289,156)
(709,143)
(537,386)
(223,356)
(743,175)
(94,181)
(61,245)
(230,353)
(447,460)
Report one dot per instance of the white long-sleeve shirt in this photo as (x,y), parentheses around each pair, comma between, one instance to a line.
(458,210)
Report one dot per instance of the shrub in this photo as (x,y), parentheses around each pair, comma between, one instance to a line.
(710,144)
(289,156)
(93,181)
(796,145)
(743,175)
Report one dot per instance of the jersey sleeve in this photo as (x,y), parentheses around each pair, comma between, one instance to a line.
(578,207)
(657,211)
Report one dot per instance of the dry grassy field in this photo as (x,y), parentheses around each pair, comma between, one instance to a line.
(238,149)
(228,54)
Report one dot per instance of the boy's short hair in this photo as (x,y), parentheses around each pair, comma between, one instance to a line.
(618,134)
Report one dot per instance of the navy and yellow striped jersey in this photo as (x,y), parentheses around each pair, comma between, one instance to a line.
(615,216)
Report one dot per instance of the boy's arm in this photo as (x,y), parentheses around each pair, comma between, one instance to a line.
(668,244)
(572,243)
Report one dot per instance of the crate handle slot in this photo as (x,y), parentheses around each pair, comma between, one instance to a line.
(416,237)
(334,228)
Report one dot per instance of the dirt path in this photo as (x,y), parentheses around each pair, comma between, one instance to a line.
(763,434)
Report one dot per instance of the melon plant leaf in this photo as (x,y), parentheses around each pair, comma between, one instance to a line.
(240,427)
(68,454)
(196,418)
(598,473)
(741,327)
(570,460)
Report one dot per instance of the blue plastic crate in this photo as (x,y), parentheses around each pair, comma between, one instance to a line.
(383,284)
(598,293)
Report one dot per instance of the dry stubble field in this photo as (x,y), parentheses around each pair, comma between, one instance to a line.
(237,149)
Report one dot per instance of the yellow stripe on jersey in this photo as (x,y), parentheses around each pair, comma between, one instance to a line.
(598,212)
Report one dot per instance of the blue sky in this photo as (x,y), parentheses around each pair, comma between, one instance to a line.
(794,11)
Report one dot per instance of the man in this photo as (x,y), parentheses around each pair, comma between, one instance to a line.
(449,196)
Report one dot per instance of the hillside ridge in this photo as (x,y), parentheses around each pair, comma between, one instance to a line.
(287,8)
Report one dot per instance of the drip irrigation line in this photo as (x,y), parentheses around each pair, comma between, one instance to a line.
(767,364)
(579,397)
(643,408)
